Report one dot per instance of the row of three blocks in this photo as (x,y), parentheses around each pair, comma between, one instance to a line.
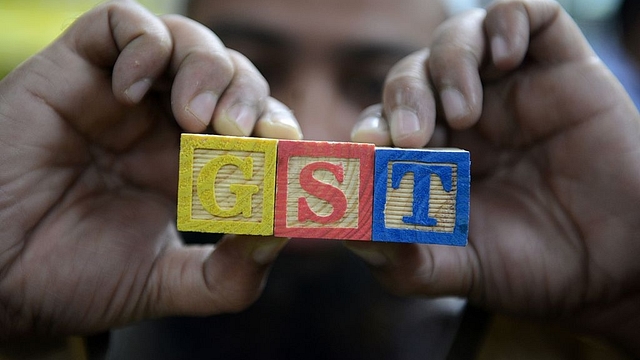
(324,190)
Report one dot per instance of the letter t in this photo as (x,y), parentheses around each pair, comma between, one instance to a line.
(421,188)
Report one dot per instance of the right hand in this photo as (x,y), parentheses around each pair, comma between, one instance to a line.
(555,148)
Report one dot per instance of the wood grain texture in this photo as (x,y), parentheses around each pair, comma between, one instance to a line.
(421,196)
(226,184)
(324,190)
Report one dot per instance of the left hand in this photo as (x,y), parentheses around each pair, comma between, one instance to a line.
(89,156)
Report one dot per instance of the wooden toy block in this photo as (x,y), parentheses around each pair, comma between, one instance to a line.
(421,196)
(226,184)
(324,190)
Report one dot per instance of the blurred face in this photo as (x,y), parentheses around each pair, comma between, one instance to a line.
(325,59)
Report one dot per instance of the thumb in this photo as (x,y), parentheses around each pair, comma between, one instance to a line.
(208,280)
(416,269)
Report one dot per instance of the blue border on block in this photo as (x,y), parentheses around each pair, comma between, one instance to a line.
(461,229)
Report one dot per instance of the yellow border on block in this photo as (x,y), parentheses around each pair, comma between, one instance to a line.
(191,142)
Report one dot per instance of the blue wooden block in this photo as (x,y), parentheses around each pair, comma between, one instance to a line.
(421,196)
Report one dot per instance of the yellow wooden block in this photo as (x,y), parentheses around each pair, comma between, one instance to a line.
(226,184)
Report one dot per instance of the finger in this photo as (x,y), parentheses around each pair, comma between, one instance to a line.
(408,101)
(372,127)
(456,55)
(277,122)
(207,280)
(541,29)
(126,36)
(544,34)
(507,28)
(109,57)
(243,101)
(203,70)
(413,269)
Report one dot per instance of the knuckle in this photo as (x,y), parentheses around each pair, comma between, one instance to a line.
(407,90)
(247,75)
(210,67)
(222,62)
(407,80)
(255,83)
(412,65)
(219,58)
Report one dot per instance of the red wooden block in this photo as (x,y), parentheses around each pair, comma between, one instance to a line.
(324,190)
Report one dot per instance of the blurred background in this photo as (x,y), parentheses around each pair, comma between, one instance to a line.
(26,26)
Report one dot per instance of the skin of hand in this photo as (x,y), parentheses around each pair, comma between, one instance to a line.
(555,150)
(89,152)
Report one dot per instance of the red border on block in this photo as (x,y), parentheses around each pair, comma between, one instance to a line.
(322,149)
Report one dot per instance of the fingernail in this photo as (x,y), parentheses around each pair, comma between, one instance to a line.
(202,107)
(499,49)
(288,124)
(137,91)
(371,129)
(366,125)
(404,122)
(454,104)
(243,116)
(267,250)
(371,256)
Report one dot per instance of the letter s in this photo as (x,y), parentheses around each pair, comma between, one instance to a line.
(324,191)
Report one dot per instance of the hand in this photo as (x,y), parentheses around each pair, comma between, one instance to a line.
(555,150)
(89,152)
